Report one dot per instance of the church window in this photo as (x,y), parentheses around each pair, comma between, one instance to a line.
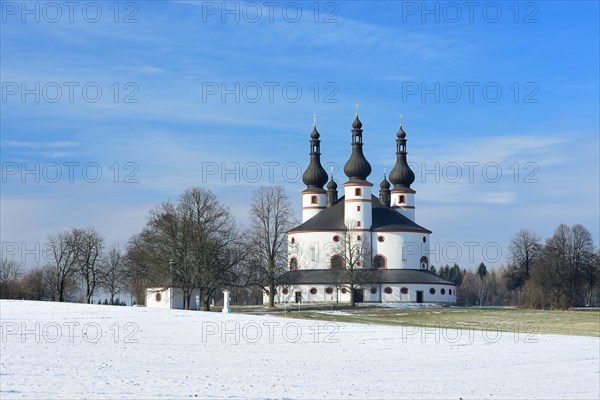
(337,262)
(373,290)
(443,291)
(424,239)
(359,238)
(313,290)
(344,290)
(388,290)
(358,192)
(404,290)
(158,297)
(401,199)
(357,208)
(432,290)
(450,292)
(358,263)
(285,291)
(378,262)
(293,240)
(336,238)
(329,290)
(314,200)
(293,264)
(381,239)
(424,263)
(358,224)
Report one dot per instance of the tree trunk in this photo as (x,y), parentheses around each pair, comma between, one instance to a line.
(271,295)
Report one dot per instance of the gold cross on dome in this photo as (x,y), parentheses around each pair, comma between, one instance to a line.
(315,119)
(400,119)
(356,107)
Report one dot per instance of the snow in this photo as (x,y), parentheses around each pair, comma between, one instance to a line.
(55,350)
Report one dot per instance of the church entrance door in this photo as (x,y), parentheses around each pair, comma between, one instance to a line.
(298,297)
(419,296)
(359,295)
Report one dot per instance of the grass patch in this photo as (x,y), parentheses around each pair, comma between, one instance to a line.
(572,322)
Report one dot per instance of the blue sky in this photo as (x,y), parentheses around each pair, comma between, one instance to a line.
(211,94)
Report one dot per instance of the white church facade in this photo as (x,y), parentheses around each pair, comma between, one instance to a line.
(360,244)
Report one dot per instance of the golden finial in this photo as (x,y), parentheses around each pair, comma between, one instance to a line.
(356,107)
(315,119)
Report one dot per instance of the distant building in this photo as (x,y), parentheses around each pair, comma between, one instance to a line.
(358,234)
(169,296)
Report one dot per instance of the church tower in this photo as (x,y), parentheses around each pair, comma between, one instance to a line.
(401,176)
(357,190)
(314,198)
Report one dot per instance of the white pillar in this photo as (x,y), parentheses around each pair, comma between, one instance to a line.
(226,308)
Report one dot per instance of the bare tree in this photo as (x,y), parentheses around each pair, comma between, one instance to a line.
(271,217)
(112,276)
(89,245)
(194,244)
(352,254)
(63,254)
(10,274)
(524,248)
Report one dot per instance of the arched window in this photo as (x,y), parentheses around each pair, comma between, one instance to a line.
(424,263)
(158,297)
(358,192)
(329,290)
(450,292)
(401,199)
(337,262)
(388,290)
(314,200)
(293,240)
(293,264)
(378,262)
(404,290)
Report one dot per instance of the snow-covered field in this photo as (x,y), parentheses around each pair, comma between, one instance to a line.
(51,350)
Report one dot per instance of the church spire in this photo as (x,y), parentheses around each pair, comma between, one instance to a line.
(401,176)
(315,176)
(357,167)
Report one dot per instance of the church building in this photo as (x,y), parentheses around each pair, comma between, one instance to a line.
(358,246)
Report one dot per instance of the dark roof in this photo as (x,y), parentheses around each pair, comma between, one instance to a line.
(384,219)
(333,276)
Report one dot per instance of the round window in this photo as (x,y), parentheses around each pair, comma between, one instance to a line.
(432,291)
(329,290)
(313,290)
(388,290)
(285,291)
(336,238)
(373,290)
(344,290)
(443,291)
(381,239)
(404,290)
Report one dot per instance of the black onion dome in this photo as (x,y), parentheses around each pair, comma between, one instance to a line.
(315,176)
(315,134)
(401,176)
(357,167)
(384,184)
(332,185)
(357,124)
(401,134)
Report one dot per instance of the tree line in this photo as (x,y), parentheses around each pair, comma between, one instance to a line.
(193,243)
(561,272)
(197,243)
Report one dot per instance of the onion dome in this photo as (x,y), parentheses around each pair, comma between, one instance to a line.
(384,192)
(332,194)
(401,176)
(357,167)
(314,176)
